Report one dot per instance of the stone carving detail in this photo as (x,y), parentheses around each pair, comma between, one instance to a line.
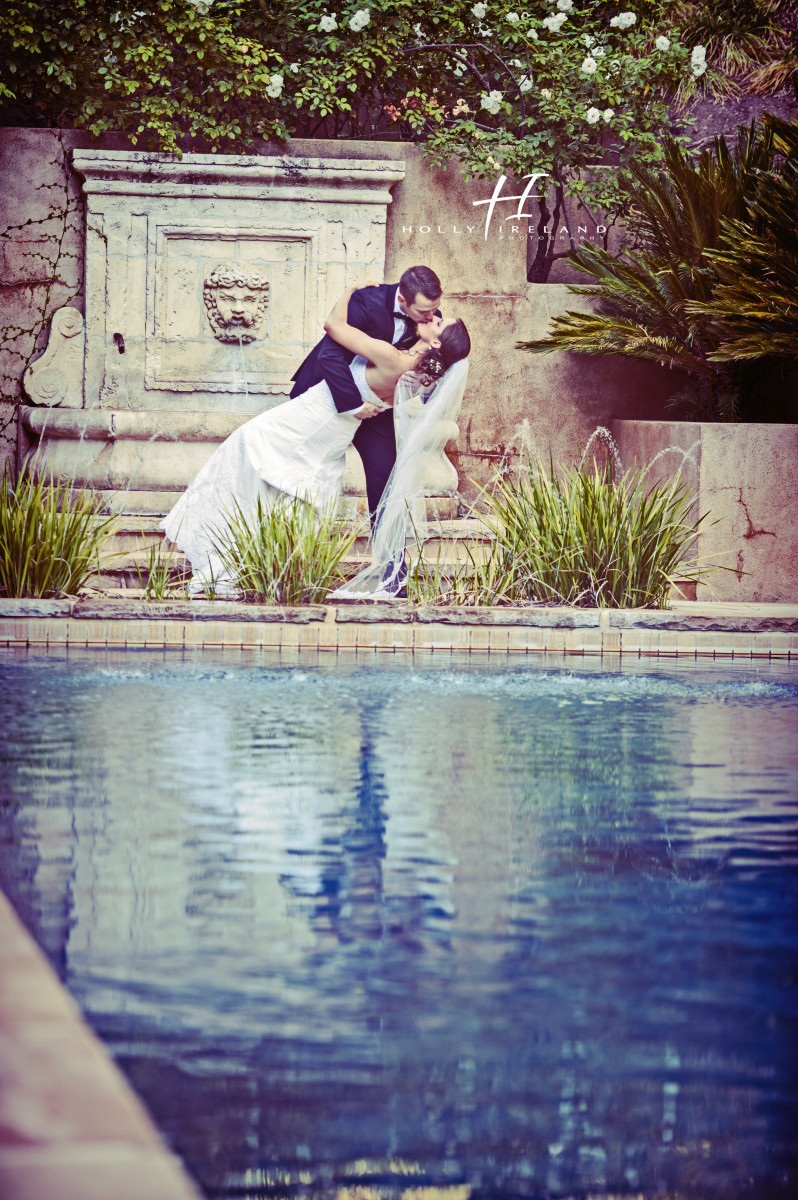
(236,298)
(56,379)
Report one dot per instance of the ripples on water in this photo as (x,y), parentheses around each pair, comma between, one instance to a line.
(527,931)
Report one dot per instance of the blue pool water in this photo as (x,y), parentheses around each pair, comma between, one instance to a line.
(526,930)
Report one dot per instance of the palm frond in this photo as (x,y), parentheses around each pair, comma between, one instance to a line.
(710,278)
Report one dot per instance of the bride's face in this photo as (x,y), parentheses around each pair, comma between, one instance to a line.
(431,332)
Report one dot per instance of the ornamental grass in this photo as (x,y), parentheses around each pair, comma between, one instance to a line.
(577,537)
(286,552)
(50,537)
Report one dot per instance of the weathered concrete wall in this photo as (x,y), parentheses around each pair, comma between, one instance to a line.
(745,477)
(42,237)
(432,219)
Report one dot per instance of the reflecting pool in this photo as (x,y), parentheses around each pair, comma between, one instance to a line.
(525,929)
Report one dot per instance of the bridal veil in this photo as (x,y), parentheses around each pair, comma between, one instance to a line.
(424,423)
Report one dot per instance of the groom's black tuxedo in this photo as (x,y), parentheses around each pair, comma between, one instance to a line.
(372,310)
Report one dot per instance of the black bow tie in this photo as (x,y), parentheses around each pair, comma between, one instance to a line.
(410,329)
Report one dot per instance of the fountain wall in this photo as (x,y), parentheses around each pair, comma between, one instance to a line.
(431,218)
(81,236)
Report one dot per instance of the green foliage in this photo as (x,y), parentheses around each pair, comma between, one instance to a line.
(748,44)
(581,537)
(157,69)
(674,296)
(50,537)
(753,310)
(502,91)
(285,553)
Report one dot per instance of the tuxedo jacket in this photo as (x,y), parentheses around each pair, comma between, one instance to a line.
(370,309)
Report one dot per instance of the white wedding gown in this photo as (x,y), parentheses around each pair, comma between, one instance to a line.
(295,449)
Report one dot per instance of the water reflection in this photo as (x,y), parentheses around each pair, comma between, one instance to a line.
(523,932)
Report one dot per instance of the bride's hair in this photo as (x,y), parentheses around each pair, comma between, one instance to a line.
(436,360)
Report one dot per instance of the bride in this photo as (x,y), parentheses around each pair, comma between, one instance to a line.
(298,449)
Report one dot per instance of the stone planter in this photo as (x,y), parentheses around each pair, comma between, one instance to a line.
(746,477)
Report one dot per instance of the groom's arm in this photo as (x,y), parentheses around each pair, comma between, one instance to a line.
(333,366)
(363,312)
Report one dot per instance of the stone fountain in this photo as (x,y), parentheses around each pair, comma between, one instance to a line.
(208,278)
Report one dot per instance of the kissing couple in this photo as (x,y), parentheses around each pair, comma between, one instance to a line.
(383,344)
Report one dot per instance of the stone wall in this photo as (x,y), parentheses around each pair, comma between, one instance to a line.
(433,219)
(744,478)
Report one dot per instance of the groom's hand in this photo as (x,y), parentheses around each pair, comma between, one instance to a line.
(368,410)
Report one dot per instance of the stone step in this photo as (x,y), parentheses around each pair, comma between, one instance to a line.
(137,533)
(139,540)
(136,564)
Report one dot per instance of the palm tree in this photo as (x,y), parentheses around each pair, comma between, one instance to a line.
(654,300)
(753,311)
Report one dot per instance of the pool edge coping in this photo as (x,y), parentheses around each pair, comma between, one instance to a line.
(686,629)
(72,1126)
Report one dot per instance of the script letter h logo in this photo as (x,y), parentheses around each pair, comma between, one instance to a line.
(497,198)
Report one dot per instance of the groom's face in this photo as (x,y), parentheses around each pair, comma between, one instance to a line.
(422,308)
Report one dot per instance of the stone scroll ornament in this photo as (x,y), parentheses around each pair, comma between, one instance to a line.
(236,298)
(55,379)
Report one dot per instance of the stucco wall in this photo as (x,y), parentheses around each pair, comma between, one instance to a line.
(744,477)
(432,219)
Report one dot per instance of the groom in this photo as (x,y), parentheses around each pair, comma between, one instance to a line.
(390,312)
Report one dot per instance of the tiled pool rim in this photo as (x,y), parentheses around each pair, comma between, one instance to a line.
(687,629)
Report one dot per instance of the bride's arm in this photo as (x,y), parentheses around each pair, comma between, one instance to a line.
(381,353)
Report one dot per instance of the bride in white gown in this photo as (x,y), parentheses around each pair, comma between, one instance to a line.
(298,449)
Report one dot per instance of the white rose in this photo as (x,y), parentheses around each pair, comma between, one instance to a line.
(294,68)
(328,23)
(479,11)
(663,43)
(525,84)
(360,20)
(592,116)
(275,86)
(565,6)
(608,114)
(589,66)
(623,20)
(598,51)
(491,102)
(588,39)
(698,60)
(555,23)
(513,18)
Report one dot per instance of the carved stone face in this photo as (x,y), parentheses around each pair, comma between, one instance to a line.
(236,299)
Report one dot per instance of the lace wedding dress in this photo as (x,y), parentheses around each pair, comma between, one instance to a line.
(296,449)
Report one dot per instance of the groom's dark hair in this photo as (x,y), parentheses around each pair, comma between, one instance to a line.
(420,279)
